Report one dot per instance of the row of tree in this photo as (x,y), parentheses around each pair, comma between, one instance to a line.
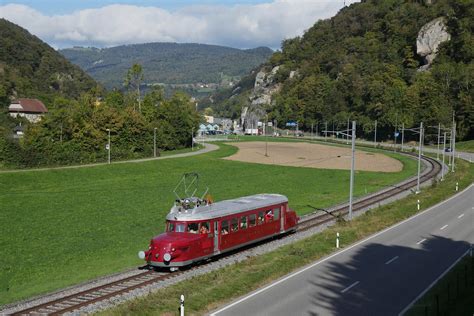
(76,131)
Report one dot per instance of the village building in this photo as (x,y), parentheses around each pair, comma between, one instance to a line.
(31,109)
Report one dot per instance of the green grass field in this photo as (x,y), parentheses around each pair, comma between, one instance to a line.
(62,227)
(229,283)
(467,146)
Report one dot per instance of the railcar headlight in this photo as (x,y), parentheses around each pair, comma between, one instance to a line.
(141,255)
(167,257)
(173,249)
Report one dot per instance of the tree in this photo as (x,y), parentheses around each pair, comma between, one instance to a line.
(133,80)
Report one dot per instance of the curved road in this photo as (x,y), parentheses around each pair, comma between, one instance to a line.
(207,148)
(381,275)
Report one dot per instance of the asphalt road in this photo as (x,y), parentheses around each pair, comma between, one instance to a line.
(381,275)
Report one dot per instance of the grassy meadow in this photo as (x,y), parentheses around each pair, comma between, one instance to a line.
(64,226)
(231,282)
(467,146)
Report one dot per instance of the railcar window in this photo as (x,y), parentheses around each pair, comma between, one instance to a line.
(260,218)
(252,220)
(235,224)
(276,214)
(193,228)
(225,227)
(204,228)
(180,228)
(170,227)
(268,216)
(243,222)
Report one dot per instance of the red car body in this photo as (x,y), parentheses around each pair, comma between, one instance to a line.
(196,231)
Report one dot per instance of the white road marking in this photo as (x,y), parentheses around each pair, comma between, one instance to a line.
(444,227)
(421,241)
(391,260)
(460,216)
(350,287)
(337,253)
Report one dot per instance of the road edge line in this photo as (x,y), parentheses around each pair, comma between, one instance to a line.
(338,253)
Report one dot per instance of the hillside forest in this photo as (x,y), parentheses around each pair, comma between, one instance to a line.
(80,111)
(362,65)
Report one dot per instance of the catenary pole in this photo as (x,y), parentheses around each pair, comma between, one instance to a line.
(444,148)
(454,146)
(419,158)
(352,168)
(375,134)
(154,142)
(403,134)
(439,135)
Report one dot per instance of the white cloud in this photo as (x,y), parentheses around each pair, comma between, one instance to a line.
(238,26)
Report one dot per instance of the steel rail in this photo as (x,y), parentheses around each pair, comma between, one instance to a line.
(103,292)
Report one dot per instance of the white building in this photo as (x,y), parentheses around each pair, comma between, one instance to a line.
(31,109)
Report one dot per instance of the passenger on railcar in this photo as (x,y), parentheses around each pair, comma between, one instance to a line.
(193,228)
(204,229)
(269,216)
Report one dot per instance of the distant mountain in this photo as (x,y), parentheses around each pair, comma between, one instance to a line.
(31,68)
(168,63)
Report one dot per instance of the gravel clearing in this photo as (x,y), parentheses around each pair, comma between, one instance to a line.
(206,268)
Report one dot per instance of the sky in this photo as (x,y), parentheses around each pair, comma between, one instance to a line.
(106,23)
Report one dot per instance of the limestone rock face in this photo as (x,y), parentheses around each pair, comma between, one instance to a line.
(431,35)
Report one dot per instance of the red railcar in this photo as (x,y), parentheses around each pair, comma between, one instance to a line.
(197,230)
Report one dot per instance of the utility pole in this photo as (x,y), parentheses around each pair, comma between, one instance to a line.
(312,131)
(439,135)
(192,139)
(108,147)
(154,142)
(375,134)
(352,168)
(266,137)
(419,158)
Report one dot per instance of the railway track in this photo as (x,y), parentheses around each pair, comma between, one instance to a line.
(74,302)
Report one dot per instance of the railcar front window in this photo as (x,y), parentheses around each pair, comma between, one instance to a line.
(276,213)
(170,227)
(180,228)
(193,228)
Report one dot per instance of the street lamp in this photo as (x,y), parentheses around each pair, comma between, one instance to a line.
(154,142)
(108,146)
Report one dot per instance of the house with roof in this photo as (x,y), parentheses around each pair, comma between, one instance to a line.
(31,109)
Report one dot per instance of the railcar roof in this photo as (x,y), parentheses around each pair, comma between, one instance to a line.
(227,207)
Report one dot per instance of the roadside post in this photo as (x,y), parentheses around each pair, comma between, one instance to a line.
(418,204)
(337,240)
(181,305)
(457,186)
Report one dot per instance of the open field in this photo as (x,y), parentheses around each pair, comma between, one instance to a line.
(467,146)
(61,227)
(299,154)
(231,282)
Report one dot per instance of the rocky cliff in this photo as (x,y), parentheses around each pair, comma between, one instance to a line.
(431,35)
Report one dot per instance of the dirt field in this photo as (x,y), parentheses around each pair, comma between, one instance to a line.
(313,156)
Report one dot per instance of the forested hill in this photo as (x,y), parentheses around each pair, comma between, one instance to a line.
(362,64)
(31,68)
(169,63)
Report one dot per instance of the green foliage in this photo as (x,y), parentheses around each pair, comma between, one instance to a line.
(31,68)
(362,64)
(169,63)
